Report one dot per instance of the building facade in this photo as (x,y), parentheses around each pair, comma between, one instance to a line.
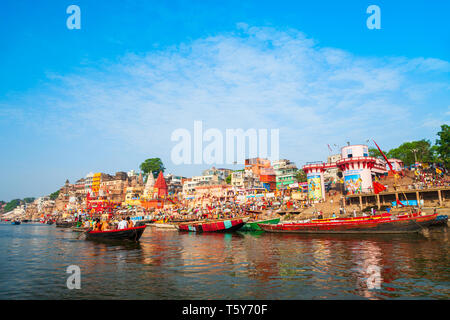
(285,172)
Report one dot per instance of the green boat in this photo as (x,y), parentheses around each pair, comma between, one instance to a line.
(253,225)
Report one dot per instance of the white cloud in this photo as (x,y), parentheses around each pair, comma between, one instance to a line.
(251,78)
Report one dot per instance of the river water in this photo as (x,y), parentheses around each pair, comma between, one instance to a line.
(171,265)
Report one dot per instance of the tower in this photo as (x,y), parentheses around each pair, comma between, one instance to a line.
(160,187)
(356,166)
(316,186)
(148,190)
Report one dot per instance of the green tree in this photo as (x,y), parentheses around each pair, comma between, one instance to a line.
(442,146)
(54,195)
(153,165)
(374,152)
(301,176)
(228,179)
(28,200)
(408,152)
(12,205)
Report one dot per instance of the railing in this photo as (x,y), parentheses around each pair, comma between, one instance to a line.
(314,162)
(356,158)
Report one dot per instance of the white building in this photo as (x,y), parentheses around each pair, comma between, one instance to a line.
(189,187)
(332,173)
(88,182)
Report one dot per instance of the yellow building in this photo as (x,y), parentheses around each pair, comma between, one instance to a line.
(133,196)
(96,179)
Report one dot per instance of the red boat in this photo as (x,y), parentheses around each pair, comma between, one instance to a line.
(385,223)
(212,226)
(133,234)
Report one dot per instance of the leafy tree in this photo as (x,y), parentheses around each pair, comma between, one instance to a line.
(153,165)
(54,195)
(442,146)
(28,200)
(301,176)
(12,205)
(228,179)
(374,152)
(408,152)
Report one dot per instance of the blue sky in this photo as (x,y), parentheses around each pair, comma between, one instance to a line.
(108,96)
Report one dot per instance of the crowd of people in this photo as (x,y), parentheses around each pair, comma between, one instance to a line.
(430,178)
(98,224)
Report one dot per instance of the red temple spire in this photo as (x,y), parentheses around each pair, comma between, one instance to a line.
(161,185)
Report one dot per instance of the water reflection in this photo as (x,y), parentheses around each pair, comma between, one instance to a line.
(171,265)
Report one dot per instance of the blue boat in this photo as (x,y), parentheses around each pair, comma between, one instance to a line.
(15,223)
(440,220)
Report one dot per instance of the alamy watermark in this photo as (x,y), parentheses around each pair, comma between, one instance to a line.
(374,20)
(234,148)
(74,280)
(74,20)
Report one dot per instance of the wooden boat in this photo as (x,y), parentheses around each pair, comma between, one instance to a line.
(79,229)
(254,211)
(360,218)
(131,234)
(253,225)
(283,212)
(65,224)
(49,222)
(376,224)
(440,220)
(15,223)
(147,221)
(212,226)
(169,226)
(182,220)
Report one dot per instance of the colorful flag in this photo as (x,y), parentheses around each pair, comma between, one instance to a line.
(378,187)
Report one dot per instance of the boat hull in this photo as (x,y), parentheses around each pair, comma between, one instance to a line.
(213,226)
(130,234)
(381,225)
(253,226)
(79,229)
(16,223)
(440,220)
(167,226)
(65,224)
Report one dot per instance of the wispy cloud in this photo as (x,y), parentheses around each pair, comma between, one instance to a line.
(254,77)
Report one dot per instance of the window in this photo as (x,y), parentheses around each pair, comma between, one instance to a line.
(349,153)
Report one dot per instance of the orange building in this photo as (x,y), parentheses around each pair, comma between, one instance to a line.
(256,164)
(263,170)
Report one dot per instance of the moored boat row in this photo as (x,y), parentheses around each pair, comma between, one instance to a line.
(374,224)
(382,223)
